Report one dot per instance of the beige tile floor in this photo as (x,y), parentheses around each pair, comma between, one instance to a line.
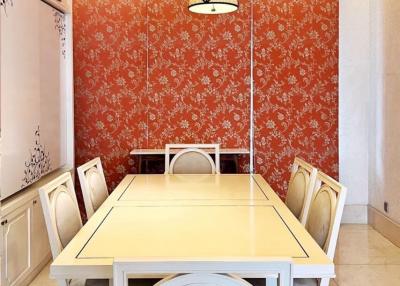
(363,258)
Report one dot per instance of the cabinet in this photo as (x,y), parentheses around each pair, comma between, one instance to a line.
(39,239)
(16,231)
(24,243)
(33,83)
(36,134)
(26,247)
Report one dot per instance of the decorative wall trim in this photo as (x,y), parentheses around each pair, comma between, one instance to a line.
(384,225)
(5,4)
(38,164)
(61,27)
(357,214)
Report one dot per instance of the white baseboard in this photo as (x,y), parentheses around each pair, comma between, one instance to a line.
(387,227)
(357,214)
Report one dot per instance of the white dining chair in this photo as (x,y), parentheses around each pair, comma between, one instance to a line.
(300,189)
(192,159)
(205,279)
(207,273)
(93,185)
(324,217)
(63,220)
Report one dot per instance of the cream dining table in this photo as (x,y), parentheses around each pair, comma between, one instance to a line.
(184,218)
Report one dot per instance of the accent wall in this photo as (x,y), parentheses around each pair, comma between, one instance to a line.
(149,73)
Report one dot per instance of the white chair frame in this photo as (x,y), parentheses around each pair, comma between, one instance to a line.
(336,215)
(45,193)
(298,162)
(96,163)
(277,269)
(206,279)
(192,148)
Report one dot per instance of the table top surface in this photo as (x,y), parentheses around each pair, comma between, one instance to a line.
(176,188)
(231,151)
(190,217)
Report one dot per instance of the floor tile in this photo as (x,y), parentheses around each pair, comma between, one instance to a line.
(42,279)
(368,275)
(332,283)
(361,244)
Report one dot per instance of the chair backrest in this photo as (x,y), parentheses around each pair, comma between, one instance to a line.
(325,214)
(192,159)
(61,212)
(204,279)
(300,189)
(93,185)
(204,272)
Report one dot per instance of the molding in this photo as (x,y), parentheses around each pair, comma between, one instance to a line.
(384,225)
(356,214)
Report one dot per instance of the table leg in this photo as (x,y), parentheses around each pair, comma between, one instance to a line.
(140,164)
(235,159)
(271,281)
(324,282)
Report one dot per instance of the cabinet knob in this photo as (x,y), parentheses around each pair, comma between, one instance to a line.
(4,222)
(34,202)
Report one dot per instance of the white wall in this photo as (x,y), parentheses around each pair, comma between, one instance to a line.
(354,95)
(384,162)
(369,106)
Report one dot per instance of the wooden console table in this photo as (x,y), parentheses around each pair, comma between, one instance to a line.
(151,161)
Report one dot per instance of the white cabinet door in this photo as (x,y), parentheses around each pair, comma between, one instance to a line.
(39,237)
(52,31)
(62,5)
(16,245)
(22,152)
(33,93)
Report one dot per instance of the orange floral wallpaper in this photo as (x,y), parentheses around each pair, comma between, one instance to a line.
(149,73)
(296,87)
(198,76)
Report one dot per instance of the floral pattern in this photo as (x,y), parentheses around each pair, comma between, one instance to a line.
(39,162)
(110,83)
(198,76)
(60,26)
(5,4)
(150,72)
(296,84)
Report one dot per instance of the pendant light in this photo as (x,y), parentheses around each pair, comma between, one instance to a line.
(213,6)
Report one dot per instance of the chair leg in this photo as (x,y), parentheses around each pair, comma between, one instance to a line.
(324,282)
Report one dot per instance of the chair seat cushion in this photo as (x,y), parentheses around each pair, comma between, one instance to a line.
(305,282)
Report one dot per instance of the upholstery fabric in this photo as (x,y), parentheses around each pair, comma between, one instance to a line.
(319,219)
(297,192)
(192,163)
(66,215)
(98,190)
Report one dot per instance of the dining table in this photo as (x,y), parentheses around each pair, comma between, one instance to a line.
(176,219)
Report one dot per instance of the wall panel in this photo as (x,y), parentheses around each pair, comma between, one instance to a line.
(193,85)
(296,87)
